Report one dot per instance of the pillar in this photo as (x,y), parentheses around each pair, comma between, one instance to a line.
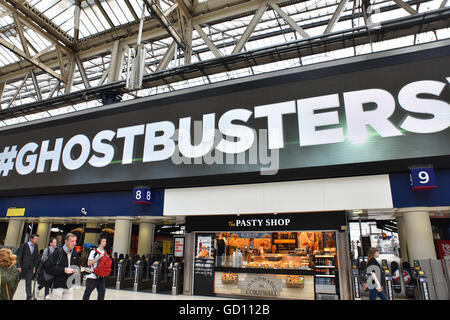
(43,230)
(145,240)
(402,238)
(122,235)
(91,237)
(14,233)
(188,264)
(419,234)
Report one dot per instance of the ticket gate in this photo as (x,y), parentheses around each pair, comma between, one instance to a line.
(162,276)
(389,289)
(141,281)
(422,291)
(177,278)
(156,266)
(123,280)
(356,278)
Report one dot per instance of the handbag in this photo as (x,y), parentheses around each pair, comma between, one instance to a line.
(49,276)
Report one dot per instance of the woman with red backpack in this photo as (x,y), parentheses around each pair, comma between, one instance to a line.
(99,270)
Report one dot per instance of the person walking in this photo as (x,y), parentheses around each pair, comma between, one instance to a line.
(46,254)
(92,280)
(27,260)
(372,256)
(9,275)
(63,263)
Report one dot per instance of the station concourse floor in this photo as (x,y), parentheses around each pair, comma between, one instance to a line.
(114,294)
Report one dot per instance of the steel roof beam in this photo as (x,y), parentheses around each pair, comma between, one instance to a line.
(40,19)
(335,18)
(32,60)
(250,28)
(406,6)
(289,20)
(164,20)
(207,41)
(334,41)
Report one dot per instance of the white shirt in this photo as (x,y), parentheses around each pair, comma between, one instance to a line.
(92,256)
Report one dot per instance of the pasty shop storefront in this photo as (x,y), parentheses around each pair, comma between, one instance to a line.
(286,256)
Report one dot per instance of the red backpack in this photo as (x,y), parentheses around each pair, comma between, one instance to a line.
(103,268)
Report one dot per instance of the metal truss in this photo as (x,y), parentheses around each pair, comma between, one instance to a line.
(50,61)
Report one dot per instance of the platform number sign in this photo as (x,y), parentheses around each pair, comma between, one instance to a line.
(422,179)
(142,195)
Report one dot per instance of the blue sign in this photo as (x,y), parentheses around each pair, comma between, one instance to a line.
(96,204)
(422,179)
(142,195)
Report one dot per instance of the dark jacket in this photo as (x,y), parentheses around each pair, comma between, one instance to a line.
(56,264)
(25,259)
(9,279)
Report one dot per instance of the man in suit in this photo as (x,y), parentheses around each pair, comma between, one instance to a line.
(27,260)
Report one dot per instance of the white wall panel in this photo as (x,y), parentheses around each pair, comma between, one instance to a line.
(367,192)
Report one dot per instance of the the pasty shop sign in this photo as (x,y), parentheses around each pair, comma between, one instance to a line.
(269,222)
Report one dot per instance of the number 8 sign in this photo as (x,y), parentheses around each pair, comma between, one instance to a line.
(422,179)
(142,195)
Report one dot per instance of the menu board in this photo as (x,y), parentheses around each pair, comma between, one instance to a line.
(204,265)
(178,247)
(285,241)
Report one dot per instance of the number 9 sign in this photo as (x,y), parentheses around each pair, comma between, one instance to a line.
(422,179)
(142,195)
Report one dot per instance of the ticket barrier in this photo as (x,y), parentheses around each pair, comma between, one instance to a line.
(148,268)
(123,280)
(422,291)
(356,280)
(162,281)
(130,266)
(177,278)
(389,286)
(140,280)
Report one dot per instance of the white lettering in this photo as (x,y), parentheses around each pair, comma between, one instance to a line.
(440,110)
(129,133)
(73,164)
(165,140)
(46,155)
(357,118)
(105,149)
(274,113)
(207,143)
(243,133)
(31,159)
(308,121)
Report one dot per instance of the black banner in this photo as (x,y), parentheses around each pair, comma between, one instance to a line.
(357,116)
(268,222)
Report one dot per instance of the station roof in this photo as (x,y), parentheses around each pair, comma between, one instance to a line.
(58,56)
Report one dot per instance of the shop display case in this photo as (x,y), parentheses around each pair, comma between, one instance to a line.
(279,261)
(299,265)
(325,274)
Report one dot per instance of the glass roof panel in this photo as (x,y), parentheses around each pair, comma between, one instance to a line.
(312,15)
(112,15)
(95,20)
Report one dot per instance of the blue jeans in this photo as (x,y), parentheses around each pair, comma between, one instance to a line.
(374,294)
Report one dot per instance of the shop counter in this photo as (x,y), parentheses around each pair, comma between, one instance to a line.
(261,282)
